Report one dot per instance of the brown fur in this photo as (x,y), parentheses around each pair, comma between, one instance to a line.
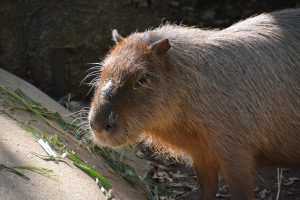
(229,99)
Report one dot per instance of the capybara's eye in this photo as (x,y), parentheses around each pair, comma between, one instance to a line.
(142,80)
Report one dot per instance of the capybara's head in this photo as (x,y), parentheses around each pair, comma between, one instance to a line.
(128,97)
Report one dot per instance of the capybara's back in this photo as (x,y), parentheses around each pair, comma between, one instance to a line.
(248,87)
(230,98)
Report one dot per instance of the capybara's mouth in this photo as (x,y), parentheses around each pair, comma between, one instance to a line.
(108,140)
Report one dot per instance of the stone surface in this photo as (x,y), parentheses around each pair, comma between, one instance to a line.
(16,146)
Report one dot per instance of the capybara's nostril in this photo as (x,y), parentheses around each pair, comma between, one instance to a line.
(104,120)
(110,127)
(99,127)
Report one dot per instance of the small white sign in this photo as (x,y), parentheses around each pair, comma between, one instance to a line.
(47,147)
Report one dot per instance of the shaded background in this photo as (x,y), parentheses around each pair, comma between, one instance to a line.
(49,42)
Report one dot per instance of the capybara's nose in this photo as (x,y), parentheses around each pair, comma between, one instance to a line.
(104,120)
(100,126)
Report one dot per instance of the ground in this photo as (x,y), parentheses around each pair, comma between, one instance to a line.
(181,181)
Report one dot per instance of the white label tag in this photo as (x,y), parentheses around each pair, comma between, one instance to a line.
(47,147)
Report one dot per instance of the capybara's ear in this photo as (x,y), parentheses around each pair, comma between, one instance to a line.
(160,47)
(116,36)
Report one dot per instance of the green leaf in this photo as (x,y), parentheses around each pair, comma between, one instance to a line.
(107,186)
(14,171)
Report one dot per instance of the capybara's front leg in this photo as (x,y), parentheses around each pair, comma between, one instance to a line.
(239,177)
(207,175)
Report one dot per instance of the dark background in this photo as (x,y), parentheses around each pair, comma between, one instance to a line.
(49,42)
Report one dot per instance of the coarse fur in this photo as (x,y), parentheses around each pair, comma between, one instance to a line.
(230,99)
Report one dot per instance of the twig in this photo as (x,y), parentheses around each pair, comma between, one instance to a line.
(279,181)
(264,181)
(50,158)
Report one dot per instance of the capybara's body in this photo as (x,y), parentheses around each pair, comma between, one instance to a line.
(230,99)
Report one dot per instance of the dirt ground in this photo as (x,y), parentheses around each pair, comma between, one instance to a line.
(182,182)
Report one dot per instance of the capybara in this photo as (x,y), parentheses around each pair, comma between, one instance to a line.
(228,99)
